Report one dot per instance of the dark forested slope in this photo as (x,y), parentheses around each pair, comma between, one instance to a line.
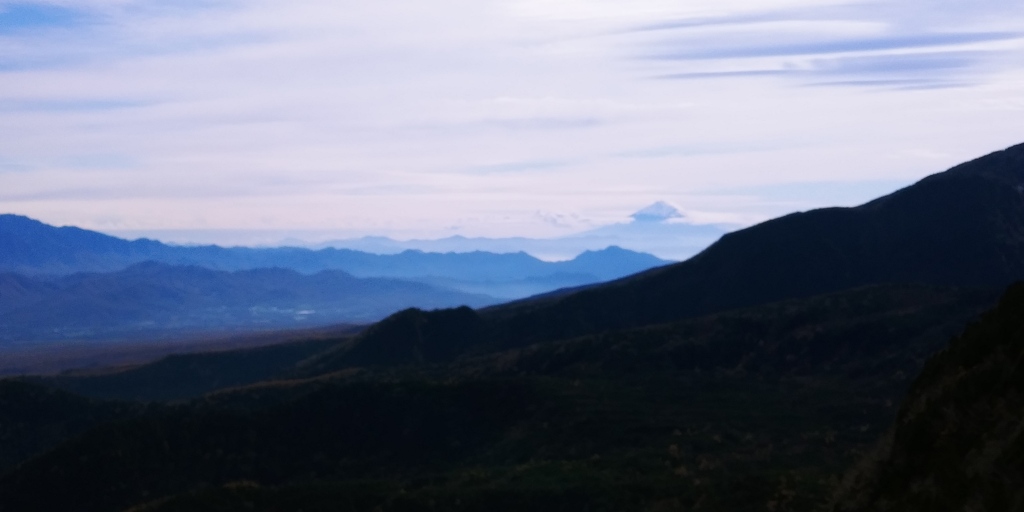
(958,442)
(747,378)
(962,227)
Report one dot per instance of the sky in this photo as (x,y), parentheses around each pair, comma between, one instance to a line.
(493,118)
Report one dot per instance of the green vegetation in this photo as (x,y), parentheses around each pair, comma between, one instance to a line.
(184,376)
(555,444)
(34,418)
(737,411)
(957,443)
(620,397)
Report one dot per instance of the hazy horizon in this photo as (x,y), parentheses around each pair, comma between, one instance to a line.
(659,229)
(497,118)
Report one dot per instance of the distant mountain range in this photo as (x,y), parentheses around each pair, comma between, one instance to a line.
(150,298)
(70,283)
(963,227)
(31,247)
(658,229)
(749,377)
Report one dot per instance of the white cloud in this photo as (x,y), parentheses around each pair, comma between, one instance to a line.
(413,116)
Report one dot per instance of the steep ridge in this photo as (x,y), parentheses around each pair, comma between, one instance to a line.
(641,410)
(798,387)
(962,227)
(412,336)
(33,247)
(958,442)
(880,334)
(881,330)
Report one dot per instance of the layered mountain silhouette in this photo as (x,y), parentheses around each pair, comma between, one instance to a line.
(34,248)
(962,227)
(69,283)
(709,410)
(659,228)
(750,377)
(160,297)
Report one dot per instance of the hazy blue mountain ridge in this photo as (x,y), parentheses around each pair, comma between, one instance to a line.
(667,239)
(746,378)
(31,247)
(962,227)
(158,296)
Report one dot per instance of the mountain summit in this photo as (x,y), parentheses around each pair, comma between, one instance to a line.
(657,212)
(962,227)
(636,403)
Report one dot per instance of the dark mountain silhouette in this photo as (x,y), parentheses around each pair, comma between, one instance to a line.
(872,332)
(957,442)
(710,411)
(190,375)
(881,332)
(34,418)
(413,336)
(962,227)
(31,247)
(157,297)
(747,378)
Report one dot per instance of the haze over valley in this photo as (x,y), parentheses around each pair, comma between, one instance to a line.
(508,255)
(781,347)
(67,284)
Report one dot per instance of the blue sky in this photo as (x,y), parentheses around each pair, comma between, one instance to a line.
(489,117)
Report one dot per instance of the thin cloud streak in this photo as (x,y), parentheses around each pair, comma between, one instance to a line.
(480,113)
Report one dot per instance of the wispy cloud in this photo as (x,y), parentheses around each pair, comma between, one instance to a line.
(323,112)
(841,46)
(831,46)
(507,167)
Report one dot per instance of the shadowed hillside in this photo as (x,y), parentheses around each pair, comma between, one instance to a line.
(957,443)
(158,297)
(183,376)
(746,379)
(878,330)
(35,418)
(796,388)
(883,332)
(962,227)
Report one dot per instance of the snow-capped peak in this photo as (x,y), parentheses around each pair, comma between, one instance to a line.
(657,212)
